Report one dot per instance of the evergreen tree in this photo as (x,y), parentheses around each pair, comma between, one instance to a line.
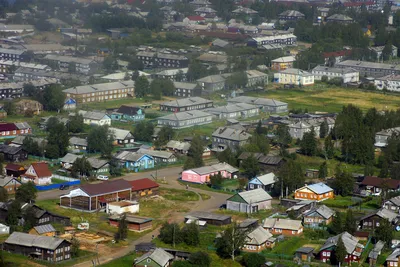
(336,226)
(75,124)
(384,173)
(141,86)
(283,135)
(350,224)
(253,260)
(308,145)
(170,233)
(384,232)
(323,129)
(323,170)
(195,151)
(250,167)
(191,234)
(344,182)
(122,232)
(340,252)
(14,212)
(3,194)
(29,219)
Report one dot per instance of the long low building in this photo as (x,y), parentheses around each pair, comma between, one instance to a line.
(265,104)
(389,82)
(185,119)
(101,92)
(348,75)
(372,69)
(234,111)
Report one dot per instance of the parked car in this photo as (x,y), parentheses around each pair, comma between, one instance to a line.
(102,177)
(64,187)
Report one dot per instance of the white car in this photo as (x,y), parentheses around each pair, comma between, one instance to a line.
(102,177)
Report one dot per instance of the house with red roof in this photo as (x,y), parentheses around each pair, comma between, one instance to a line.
(144,187)
(10,130)
(14,170)
(372,185)
(38,173)
(193,19)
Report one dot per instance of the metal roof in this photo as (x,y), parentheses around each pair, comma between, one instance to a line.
(101,87)
(46,228)
(215,168)
(323,210)
(27,240)
(69,59)
(260,102)
(77,141)
(156,153)
(258,236)
(319,188)
(255,196)
(184,102)
(208,215)
(267,179)
(350,242)
(231,134)
(185,115)
(158,255)
(282,223)
(120,134)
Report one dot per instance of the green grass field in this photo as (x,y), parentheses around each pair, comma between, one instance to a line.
(123,261)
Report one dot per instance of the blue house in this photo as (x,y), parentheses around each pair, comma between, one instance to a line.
(134,161)
(265,182)
(127,113)
(69,104)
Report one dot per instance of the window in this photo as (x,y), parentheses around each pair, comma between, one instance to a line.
(324,253)
(328,254)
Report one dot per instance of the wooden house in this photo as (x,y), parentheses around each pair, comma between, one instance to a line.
(265,182)
(44,230)
(45,248)
(286,227)
(43,216)
(135,223)
(128,113)
(157,257)
(318,216)
(394,258)
(249,201)
(373,220)
(305,254)
(14,170)
(353,248)
(134,161)
(373,185)
(13,153)
(375,252)
(144,187)
(91,197)
(258,239)
(38,173)
(392,204)
(10,184)
(317,192)
(208,217)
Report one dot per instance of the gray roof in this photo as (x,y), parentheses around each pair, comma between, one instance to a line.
(11,51)
(184,102)
(93,115)
(220,43)
(333,70)
(258,236)
(350,242)
(305,250)
(172,72)
(255,196)
(212,79)
(102,87)
(366,64)
(376,251)
(120,134)
(46,228)
(339,17)
(77,141)
(178,145)
(69,59)
(257,101)
(231,108)
(394,256)
(323,210)
(22,125)
(187,86)
(215,168)
(216,58)
(158,255)
(185,115)
(27,240)
(5,180)
(267,179)
(97,163)
(383,213)
(319,188)
(208,215)
(227,132)
(156,153)
(296,72)
(129,156)
(291,13)
(19,140)
(282,224)
(248,222)
(70,158)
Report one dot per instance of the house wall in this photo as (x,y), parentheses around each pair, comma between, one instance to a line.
(97,122)
(281,66)
(15,132)
(259,248)
(190,176)
(285,78)
(244,207)
(371,222)
(186,108)
(390,263)
(175,124)
(285,232)
(315,220)
(347,77)
(62,252)
(101,96)
(390,206)
(144,163)
(306,194)
(12,187)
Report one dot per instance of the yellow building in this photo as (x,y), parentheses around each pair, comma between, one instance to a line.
(283,63)
(294,77)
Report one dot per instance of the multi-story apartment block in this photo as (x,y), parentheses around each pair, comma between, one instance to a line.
(7,66)
(101,92)
(161,60)
(185,104)
(372,69)
(185,119)
(14,55)
(26,74)
(284,39)
(389,82)
(348,75)
(294,77)
(64,63)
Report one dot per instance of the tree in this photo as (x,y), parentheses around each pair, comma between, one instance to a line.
(291,176)
(227,156)
(350,223)
(10,108)
(110,64)
(161,87)
(340,252)
(81,167)
(283,135)
(231,241)
(26,193)
(336,226)
(141,86)
(72,67)
(323,129)
(31,146)
(250,167)
(58,141)
(308,145)
(328,147)
(122,232)
(75,124)
(260,129)
(170,233)
(384,232)
(323,170)
(237,80)
(180,76)
(165,134)
(200,259)
(344,182)
(75,244)
(384,173)
(3,195)
(29,89)
(14,212)
(216,179)
(191,234)
(115,167)
(53,97)
(144,131)
(135,64)
(196,71)
(258,143)
(29,218)
(100,140)
(395,171)
(195,151)
(253,260)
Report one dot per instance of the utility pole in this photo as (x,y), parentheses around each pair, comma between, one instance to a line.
(173,236)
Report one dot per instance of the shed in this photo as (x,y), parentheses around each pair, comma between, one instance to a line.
(125,206)
(304,253)
(45,230)
(135,223)
(210,218)
(144,247)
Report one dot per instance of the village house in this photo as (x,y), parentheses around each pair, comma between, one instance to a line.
(294,77)
(392,204)
(14,170)
(156,257)
(91,197)
(339,18)
(162,60)
(317,192)
(11,130)
(375,253)
(305,254)
(226,136)
(122,137)
(256,78)
(135,223)
(234,111)
(283,63)
(212,83)
(178,147)
(99,166)
(353,248)
(347,75)
(291,15)
(38,173)
(186,104)
(249,201)
(185,119)
(78,143)
(389,82)
(183,89)
(281,39)
(13,154)
(14,54)
(144,187)
(43,230)
(202,175)
(101,92)
(297,207)
(393,259)
(286,227)
(208,218)
(159,156)
(267,163)
(264,104)
(10,184)
(6,66)
(134,161)
(258,239)
(45,248)
(381,137)
(95,118)
(172,74)
(127,113)
(213,58)
(373,220)
(372,185)
(318,216)
(299,127)
(265,182)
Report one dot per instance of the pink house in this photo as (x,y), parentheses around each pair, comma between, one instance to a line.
(202,175)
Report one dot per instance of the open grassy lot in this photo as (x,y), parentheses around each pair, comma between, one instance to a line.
(178,195)
(123,261)
(321,97)
(291,244)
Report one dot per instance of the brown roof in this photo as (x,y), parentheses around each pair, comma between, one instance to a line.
(14,167)
(41,169)
(378,182)
(106,187)
(142,184)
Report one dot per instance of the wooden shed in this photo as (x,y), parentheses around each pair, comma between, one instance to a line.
(135,223)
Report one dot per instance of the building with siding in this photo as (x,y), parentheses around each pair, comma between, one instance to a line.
(294,77)
(318,216)
(38,173)
(226,136)
(144,187)
(372,69)
(135,223)
(264,104)
(284,39)
(249,201)
(202,174)
(14,55)
(128,113)
(392,204)
(66,63)
(185,119)
(43,230)
(265,182)
(283,63)
(10,184)
(389,82)
(234,111)
(348,75)
(258,239)
(317,192)
(161,60)
(208,217)
(95,118)
(156,257)
(183,89)
(134,161)
(186,104)
(373,220)
(287,227)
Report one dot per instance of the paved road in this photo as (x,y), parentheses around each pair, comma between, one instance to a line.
(170,176)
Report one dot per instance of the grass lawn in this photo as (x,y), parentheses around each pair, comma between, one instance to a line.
(339,202)
(205,187)
(57,181)
(321,97)
(204,196)
(123,261)
(178,194)
(291,244)
(206,129)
